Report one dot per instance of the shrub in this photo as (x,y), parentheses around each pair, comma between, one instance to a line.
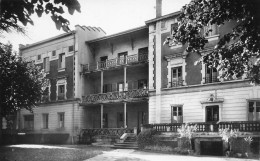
(186,133)
(147,138)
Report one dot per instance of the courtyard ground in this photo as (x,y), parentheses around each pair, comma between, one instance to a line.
(30,152)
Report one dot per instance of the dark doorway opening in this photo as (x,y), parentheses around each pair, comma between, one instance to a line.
(214,148)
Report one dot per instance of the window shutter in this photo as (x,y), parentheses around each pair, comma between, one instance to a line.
(114,87)
(47,64)
(63,61)
(109,87)
(130,85)
(135,84)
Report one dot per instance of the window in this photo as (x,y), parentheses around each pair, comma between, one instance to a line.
(46,64)
(53,53)
(105,120)
(61,64)
(142,84)
(176,77)
(39,57)
(45,96)
(61,116)
(120,87)
(107,88)
(212,113)
(254,111)
(45,121)
(210,30)
(28,122)
(211,75)
(143,50)
(71,48)
(103,62)
(122,58)
(61,92)
(177,114)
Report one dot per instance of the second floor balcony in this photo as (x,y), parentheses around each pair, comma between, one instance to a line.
(117,62)
(135,94)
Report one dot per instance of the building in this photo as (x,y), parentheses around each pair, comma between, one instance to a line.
(61,58)
(110,85)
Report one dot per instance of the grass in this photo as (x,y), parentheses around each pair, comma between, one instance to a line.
(71,153)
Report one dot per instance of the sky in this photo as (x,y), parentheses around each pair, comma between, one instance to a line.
(112,16)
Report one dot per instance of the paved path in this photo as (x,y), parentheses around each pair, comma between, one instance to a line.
(132,155)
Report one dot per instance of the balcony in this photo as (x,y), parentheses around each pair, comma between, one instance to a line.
(117,62)
(112,96)
(176,83)
(61,96)
(242,126)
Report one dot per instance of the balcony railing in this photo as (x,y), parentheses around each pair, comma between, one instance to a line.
(242,126)
(176,83)
(138,93)
(110,63)
(61,96)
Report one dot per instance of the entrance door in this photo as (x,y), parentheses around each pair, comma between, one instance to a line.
(212,113)
(120,119)
(142,119)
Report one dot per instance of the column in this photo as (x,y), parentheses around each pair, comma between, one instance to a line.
(125,115)
(125,78)
(101,113)
(102,81)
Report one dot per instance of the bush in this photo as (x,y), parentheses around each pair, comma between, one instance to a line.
(147,138)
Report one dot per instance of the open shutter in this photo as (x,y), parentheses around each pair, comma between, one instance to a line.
(114,87)
(135,84)
(63,61)
(47,64)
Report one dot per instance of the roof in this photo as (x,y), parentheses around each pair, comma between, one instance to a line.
(118,34)
(163,17)
(46,40)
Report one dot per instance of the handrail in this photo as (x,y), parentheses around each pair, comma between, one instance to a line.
(136,93)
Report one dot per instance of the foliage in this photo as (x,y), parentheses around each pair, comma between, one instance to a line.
(14,12)
(237,53)
(227,134)
(21,83)
(187,131)
(147,138)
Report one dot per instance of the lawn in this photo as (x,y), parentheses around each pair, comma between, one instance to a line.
(49,153)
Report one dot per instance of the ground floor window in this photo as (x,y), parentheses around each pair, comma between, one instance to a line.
(61,117)
(212,113)
(177,114)
(254,111)
(28,122)
(45,121)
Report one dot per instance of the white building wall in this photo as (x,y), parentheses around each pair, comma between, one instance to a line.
(234,106)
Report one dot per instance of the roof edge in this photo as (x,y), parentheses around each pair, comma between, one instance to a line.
(117,34)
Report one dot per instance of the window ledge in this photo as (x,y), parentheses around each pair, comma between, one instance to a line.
(213,37)
(61,69)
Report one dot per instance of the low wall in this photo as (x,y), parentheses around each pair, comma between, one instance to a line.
(57,138)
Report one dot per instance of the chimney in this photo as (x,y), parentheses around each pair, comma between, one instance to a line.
(158,8)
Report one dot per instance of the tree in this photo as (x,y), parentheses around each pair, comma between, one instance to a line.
(21,83)
(13,12)
(236,55)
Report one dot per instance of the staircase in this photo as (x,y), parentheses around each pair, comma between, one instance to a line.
(129,143)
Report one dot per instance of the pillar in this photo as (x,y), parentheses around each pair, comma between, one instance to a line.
(125,126)
(101,113)
(102,81)
(125,78)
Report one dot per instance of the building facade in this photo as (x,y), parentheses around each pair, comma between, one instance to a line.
(60,58)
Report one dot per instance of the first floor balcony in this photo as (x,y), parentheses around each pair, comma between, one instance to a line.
(130,95)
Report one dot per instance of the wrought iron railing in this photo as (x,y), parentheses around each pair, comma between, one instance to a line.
(137,93)
(243,126)
(110,63)
(176,83)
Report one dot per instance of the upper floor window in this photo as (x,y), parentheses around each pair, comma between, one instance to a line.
(212,113)
(46,64)
(53,53)
(174,28)
(176,79)
(45,121)
(254,111)
(71,48)
(61,92)
(107,88)
(177,114)
(39,57)
(121,87)
(210,30)
(61,63)
(28,122)
(122,58)
(61,89)
(211,75)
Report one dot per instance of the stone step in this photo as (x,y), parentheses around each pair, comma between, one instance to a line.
(124,147)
